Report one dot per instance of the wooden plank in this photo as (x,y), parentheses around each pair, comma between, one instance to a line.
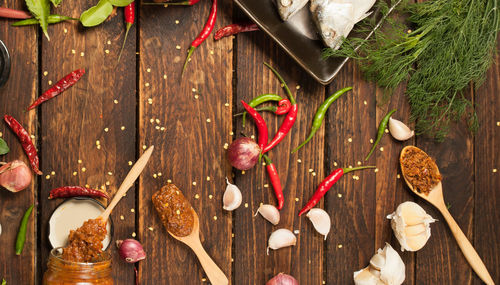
(350,124)
(74,123)
(487,182)
(441,260)
(189,129)
(305,260)
(19,91)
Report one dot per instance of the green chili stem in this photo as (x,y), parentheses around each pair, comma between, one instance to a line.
(320,115)
(381,129)
(261,109)
(347,170)
(289,93)
(53,19)
(190,52)
(21,235)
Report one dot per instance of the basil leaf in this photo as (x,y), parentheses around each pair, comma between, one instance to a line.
(120,3)
(53,19)
(97,14)
(56,2)
(4,148)
(40,9)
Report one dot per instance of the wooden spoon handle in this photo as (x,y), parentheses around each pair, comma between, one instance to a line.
(214,273)
(128,181)
(468,250)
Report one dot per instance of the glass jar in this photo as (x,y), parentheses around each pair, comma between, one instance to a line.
(63,272)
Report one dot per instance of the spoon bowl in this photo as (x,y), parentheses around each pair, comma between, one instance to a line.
(435,197)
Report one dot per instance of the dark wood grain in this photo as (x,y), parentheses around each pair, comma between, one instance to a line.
(19,91)
(305,260)
(487,177)
(75,122)
(352,202)
(194,123)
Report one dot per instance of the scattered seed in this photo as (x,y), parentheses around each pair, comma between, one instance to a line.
(215,218)
(335,163)
(176,22)
(194,183)
(148,70)
(494,170)
(73,51)
(164,76)
(296,232)
(386,131)
(226,145)
(108,42)
(106,50)
(208,120)
(157,121)
(150,228)
(159,174)
(162,128)
(115,101)
(313,174)
(226,104)
(65,30)
(84,169)
(50,82)
(45,73)
(106,129)
(297,87)
(299,160)
(178,47)
(52,173)
(210,196)
(381,148)
(203,279)
(122,128)
(75,173)
(133,234)
(398,176)
(350,166)
(196,96)
(208,178)
(47,177)
(252,137)
(110,173)
(132,210)
(349,139)
(82,54)
(130,162)
(246,205)
(296,199)
(364,102)
(266,185)
(359,162)
(311,170)
(339,245)
(243,172)
(169,181)
(371,140)
(339,195)
(196,196)
(79,161)
(154,175)
(211,52)
(498,124)
(122,217)
(146,84)
(375,170)
(144,147)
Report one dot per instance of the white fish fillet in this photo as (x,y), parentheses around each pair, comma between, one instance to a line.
(336,18)
(288,8)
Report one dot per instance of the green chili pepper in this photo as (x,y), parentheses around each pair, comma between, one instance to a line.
(261,109)
(53,19)
(320,115)
(283,83)
(381,129)
(261,99)
(21,235)
(4,282)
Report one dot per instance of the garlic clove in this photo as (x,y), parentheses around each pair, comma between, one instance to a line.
(320,220)
(377,261)
(281,238)
(270,213)
(232,197)
(365,277)
(393,272)
(415,230)
(416,242)
(399,130)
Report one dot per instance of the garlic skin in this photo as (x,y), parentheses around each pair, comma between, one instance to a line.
(411,226)
(281,238)
(386,268)
(232,197)
(0,229)
(270,213)
(320,220)
(399,130)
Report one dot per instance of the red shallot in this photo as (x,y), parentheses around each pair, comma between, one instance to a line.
(283,279)
(130,250)
(15,176)
(243,153)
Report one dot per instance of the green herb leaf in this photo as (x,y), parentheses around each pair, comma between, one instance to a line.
(4,148)
(53,19)
(40,9)
(120,3)
(4,282)
(56,2)
(97,14)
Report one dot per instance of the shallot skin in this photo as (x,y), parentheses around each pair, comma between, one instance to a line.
(243,153)
(130,250)
(282,279)
(15,176)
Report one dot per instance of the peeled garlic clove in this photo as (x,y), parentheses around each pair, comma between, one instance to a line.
(281,238)
(411,220)
(232,197)
(377,261)
(270,213)
(320,220)
(365,277)
(399,130)
(393,272)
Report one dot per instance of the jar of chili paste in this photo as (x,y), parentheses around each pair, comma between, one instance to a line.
(63,272)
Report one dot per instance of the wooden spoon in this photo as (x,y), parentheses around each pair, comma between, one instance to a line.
(214,273)
(435,197)
(128,182)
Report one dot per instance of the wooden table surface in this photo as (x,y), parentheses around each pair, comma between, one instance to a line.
(142,101)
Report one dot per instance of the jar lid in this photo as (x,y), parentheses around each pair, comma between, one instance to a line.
(70,215)
(4,64)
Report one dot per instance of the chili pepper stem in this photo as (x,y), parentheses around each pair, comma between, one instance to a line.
(129,25)
(380,132)
(190,52)
(347,170)
(289,93)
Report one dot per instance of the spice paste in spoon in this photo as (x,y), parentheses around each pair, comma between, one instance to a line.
(85,243)
(420,170)
(174,210)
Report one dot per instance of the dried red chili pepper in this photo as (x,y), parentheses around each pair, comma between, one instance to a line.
(261,125)
(235,29)
(58,88)
(207,29)
(290,118)
(26,143)
(326,184)
(129,15)
(76,191)
(275,181)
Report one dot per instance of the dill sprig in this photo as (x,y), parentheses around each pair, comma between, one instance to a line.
(444,47)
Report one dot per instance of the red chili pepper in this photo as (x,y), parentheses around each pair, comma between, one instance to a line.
(209,26)
(58,88)
(13,13)
(235,29)
(76,191)
(326,184)
(275,181)
(26,143)
(284,107)
(290,117)
(261,124)
(129,14)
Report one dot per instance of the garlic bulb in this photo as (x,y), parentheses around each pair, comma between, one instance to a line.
(232,197)
(386,268)
(281,238)
(270,213)
(320,220)
(411,226)
(399,130)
